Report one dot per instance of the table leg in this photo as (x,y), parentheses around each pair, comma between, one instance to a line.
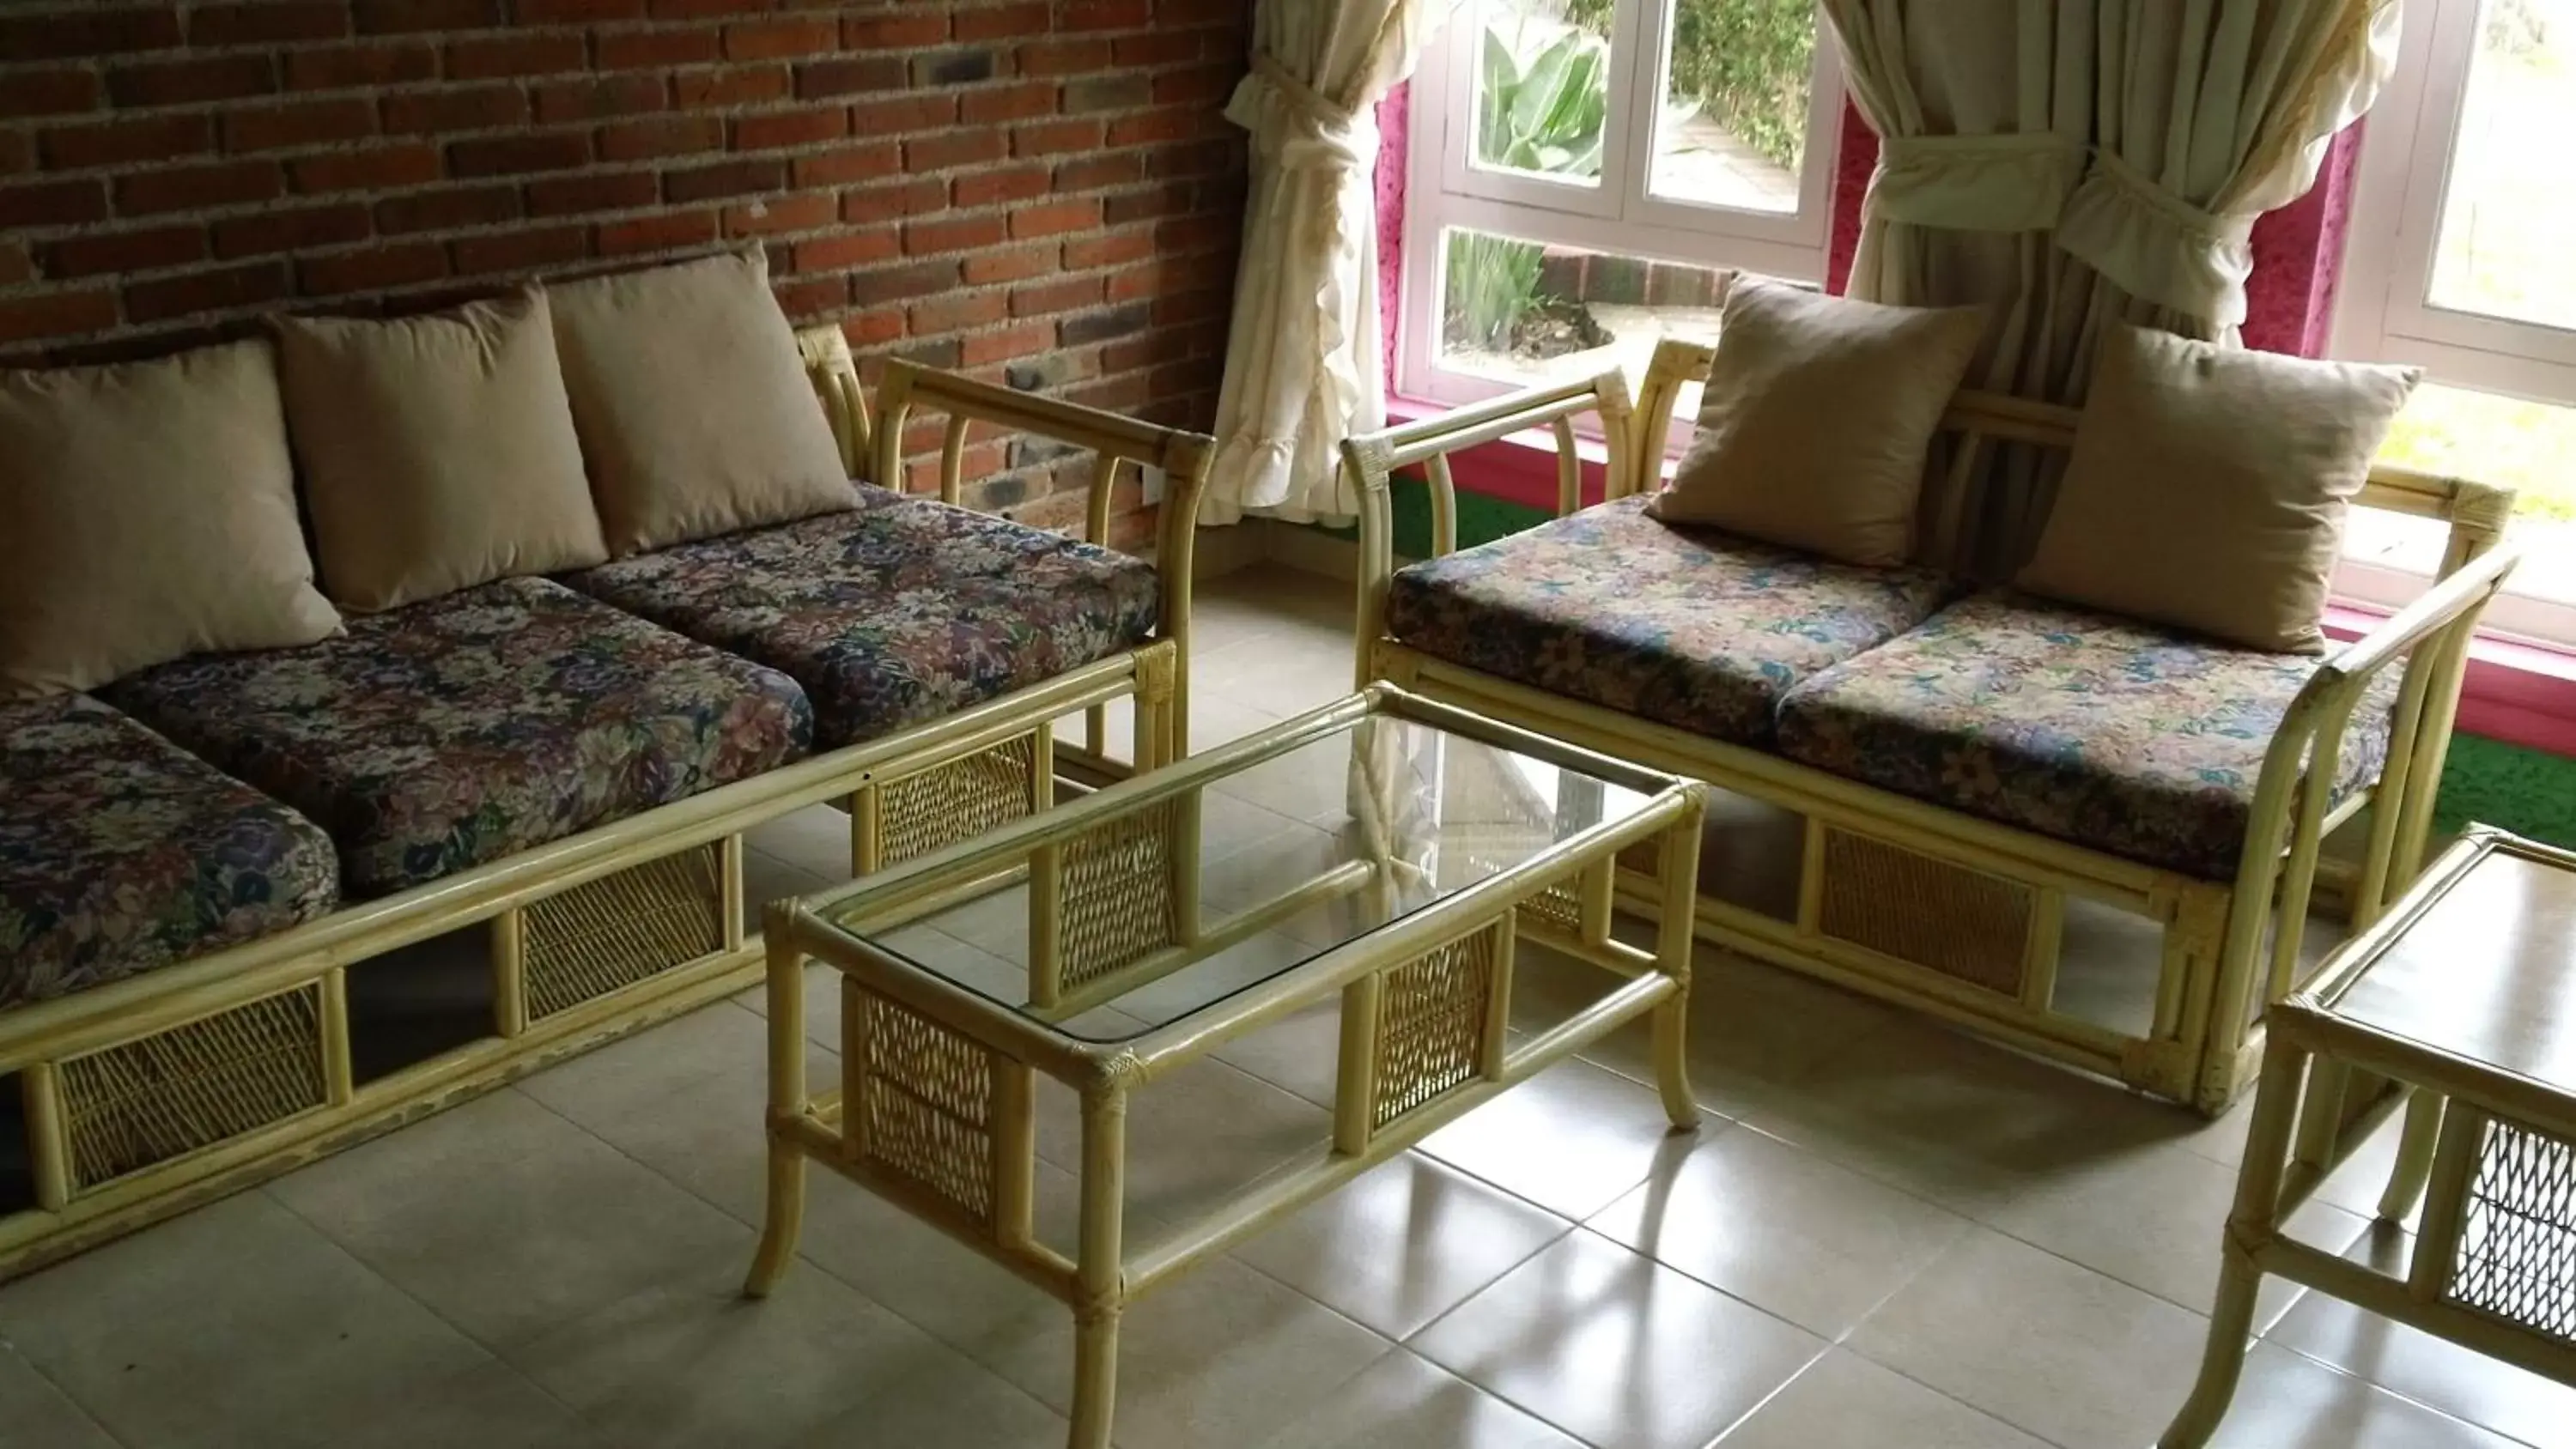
(785,1217)
(2414,1154)
(1673,946)
(2250,1225)
(1098,1272)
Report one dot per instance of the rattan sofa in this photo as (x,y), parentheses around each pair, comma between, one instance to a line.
(1972,775)
(201,1035)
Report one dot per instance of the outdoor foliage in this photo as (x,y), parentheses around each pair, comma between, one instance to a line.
(1492,285)
(1548,117)
(1745,62)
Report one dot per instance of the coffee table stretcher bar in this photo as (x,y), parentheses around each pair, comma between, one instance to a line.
(2483,1057)
(943,1073)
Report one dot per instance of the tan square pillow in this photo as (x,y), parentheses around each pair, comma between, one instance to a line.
(2209,485)
(438,451)
(147,510)
(695,415)
(1817,417)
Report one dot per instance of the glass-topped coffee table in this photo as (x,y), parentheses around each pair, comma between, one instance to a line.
(1136,930)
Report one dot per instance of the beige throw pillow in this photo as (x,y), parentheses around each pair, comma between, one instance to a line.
(438,451)
(147,510)
(1816,420)
(695,415)
(2209,484)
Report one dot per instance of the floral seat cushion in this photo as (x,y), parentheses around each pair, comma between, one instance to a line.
(453,732)
(897,611)
(2117,736)
(120,852)
(1699,630)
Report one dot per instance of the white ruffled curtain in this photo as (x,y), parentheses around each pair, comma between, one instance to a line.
(1301,365)
(2080,162)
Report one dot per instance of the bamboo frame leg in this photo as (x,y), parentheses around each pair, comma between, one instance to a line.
(1098,1275)
(2414,1154)
(785,1218)
(1673,944)
(2250,1227)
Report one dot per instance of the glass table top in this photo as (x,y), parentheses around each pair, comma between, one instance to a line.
(1281,859)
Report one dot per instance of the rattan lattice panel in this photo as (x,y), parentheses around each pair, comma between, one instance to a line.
(1962,923)
(171,1093)
(925,1108)
(1116,904)
(1431,1024)
(1556,908)
(957,801)
(583,943)
(2517,1258)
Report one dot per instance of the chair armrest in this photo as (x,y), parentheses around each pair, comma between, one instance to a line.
(2462,592)
(834,375)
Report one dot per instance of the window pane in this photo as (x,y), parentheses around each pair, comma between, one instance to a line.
(1737,73)
(2510,207)
(1543,87)
(1519,311)
(2526,446)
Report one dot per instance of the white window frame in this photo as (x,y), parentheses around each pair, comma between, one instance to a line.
(1621,216)
(2384,312)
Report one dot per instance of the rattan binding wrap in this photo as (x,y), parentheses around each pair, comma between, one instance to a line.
(925,1108)
(1432,1022)
(2517,1257)
(1960,922)
(171,1093)
(959,800)
(1118,906)
(583,943)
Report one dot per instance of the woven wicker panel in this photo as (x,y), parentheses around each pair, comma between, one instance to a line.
(958,800)
(926,1103)
(619,929)
(171,1093)
(1431,1024)
(1556,908)
(2517,1256)
(1960,922)
(1117,904)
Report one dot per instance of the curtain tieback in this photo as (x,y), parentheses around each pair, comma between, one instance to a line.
(2003,182)
(1289,118)
(2153,245)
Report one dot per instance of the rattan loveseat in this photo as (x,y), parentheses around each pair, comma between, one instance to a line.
(1982,785)
(209,868)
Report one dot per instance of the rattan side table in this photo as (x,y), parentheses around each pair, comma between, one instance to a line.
(2461,1004)
(1115,945)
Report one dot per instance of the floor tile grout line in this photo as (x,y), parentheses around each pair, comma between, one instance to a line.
(2435,1410)
(64,1392)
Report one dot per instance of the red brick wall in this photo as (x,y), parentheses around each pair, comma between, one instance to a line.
(1038,190)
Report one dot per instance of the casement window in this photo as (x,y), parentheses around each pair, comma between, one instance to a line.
(2462,260)
(1578,170)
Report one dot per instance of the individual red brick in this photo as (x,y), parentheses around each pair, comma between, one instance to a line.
(953,234)
(822,79)
(519,155)
(899,31)
(954,148)
(734,86)
(574,12)
(898,284)
(897,115)
(1055,218)
(1153,201)
(142,138)
(598,100)
(374,269)
(1154,126)
(1092,173)
(192,82)
(1028,339)
(520,251)
(53,203)
(197,188)
(1196,158)
(90,30)
(293,230)
(49,93)
(298,124)
(1053,138)
(1108,251)
(782,38)
(1199,85)
(844,164)
(373,168)
(702,9)
(593,191)
(1070,294)
(1001,23)
(773,130)
(148,249)
(994,188)
(350,67)
(1179,13)
(493,56)
(873,328)
(1199,233)
(264,23)
(849,249)
(1155,48)
(472,108)
(963,66)
(893,200)
(56,314)
(958,311)
(810,212)
(1012,264)
(669,231)
(1190,307)
(729,178)
(807,297)
(16,265)
(17,153)
(1104,14)
(227,290)
(660,136)
(654,49)
(1121,91)
(1065,57)
(450,208)
(1008,103)
(387,17)
(1135,282)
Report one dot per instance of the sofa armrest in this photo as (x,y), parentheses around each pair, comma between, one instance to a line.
(834,375)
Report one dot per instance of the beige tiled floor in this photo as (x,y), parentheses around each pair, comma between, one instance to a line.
(1883,1236)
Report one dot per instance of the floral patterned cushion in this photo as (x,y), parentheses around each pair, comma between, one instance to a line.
(456,731)
(1699,630)
(2118,736)
(898,611)
(120,852)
